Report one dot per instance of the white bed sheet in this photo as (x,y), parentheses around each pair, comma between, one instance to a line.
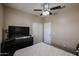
(41,49)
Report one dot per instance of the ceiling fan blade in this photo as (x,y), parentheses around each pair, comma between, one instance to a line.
(63,6)
(54,8)
(37,9)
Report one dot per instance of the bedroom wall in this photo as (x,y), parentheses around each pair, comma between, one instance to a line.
(65,27)
(1,21)
(14,17)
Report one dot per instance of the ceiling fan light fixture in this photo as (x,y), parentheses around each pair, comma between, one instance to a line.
(45,13)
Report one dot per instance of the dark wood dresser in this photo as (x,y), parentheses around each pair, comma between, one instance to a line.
(9,47)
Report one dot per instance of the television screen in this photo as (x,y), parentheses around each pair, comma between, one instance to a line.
(18,31)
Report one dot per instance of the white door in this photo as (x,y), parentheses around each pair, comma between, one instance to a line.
(47,33)
(37,32)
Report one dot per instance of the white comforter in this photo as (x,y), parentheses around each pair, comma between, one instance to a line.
(41,49)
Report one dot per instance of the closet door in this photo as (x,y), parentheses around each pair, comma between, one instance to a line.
(47,33)
(37,32)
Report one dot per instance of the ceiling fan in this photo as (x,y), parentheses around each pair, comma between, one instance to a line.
(47,11)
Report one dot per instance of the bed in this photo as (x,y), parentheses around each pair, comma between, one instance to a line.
(42,49)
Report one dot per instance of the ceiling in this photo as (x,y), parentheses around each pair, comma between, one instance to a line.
(28,7)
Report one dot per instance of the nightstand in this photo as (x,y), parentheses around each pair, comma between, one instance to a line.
(77,50)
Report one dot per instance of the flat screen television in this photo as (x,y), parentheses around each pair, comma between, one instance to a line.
(18,31)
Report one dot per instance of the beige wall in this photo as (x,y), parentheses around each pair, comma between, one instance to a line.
(65,27)
(15,17)
(1,21)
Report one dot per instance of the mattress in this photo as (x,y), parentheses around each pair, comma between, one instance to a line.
(41,49)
